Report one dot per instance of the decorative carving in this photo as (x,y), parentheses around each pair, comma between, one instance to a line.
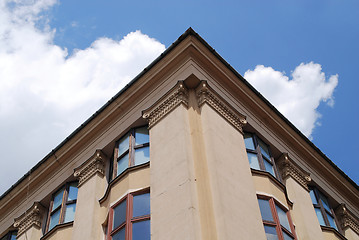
(178,95)
(289,168)
(31,217)
(346,218)
(206,95)
(94,165)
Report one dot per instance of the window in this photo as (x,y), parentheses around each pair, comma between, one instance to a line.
(130,218)
(277,222)
(132,149)
(63,205)
(322,209)
(9,236)
(259,154)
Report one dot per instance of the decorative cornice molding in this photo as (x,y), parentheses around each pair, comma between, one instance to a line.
(31,217)
(205,94)
(178,95)
(94,165)
(289,168)
(347,218)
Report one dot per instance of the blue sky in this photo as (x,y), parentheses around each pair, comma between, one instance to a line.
(46,46)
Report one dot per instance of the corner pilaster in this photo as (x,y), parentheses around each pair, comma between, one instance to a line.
(31,218)
(347,219)
(94,165)
(205,94)
(289,168)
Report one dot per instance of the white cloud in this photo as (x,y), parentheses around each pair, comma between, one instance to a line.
(299,97)
(45,93)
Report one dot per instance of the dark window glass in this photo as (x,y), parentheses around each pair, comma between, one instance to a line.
(122,164)
(322,209)
(258,154)
(141,205)
(286,236)
(120,235)
(58,199)
(54,219)
(265,210)
(123,144)
(141,230)
(283,219)
(72,192)
(271,232)
(142,136)
(119,214)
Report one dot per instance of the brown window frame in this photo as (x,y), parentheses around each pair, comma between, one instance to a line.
(62,207)
(259,154)
(129,216)
(323,210)
(131,150)
(276,223)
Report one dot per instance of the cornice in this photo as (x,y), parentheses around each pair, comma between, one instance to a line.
(31,217)
(205,94)
(288,168)
(347,218)
(178,95)
(94,165)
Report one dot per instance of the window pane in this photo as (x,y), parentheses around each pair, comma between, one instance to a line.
(141,205)
(331,221)
(253,160)
(319,216)
(264,149)
(58,199)
(142,155)
(312,196)
(54,219)
(286,236)
(123,144)
(122,164)
(142,136)
(265,210)
(13,236)
(70,212)
(324,201)
(269,167)
(270,233)
(141,230)
(119,214)
(283,219)
(120,235)
(72,192)
(248,141)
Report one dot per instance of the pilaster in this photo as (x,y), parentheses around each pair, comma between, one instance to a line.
(30,222)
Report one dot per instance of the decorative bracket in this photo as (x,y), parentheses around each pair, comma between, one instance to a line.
(346,218)
(31,217)
(289,168)
(178,95)
(205,94)
(94,165)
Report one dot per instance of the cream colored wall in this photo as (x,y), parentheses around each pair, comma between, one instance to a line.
(303,214)
(350,234)
(62,233)
(235,205)
(328,235)
(33,233)
(265,186)
(174,202)
(88,220)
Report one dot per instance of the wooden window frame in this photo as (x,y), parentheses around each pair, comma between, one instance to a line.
(324,211)
(276,223)
(62,207)
(131,150)
(129,216)
(259,154)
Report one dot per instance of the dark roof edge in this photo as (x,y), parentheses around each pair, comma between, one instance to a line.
(188,32)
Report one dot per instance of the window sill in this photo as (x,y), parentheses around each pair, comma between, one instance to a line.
(56,228)
(121,176)
(274,180)
(333,231)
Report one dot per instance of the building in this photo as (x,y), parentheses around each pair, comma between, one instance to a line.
(187,150)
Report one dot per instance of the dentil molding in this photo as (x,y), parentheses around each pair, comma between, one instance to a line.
(346,218)
(30,218)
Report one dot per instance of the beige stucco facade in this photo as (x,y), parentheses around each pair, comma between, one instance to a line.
(197,109)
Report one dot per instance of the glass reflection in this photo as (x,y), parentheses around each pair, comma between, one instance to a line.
(248,141)
(123,144)
(271,233)
(320,216)
(141,205)
(54,219)
(253,160)
(142,155)
(283,219)
(265,210)
(142,135)
(122,164)
(119,214)
(120,235)
(141,230)
(70,212)
(72,192)
(58,199)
